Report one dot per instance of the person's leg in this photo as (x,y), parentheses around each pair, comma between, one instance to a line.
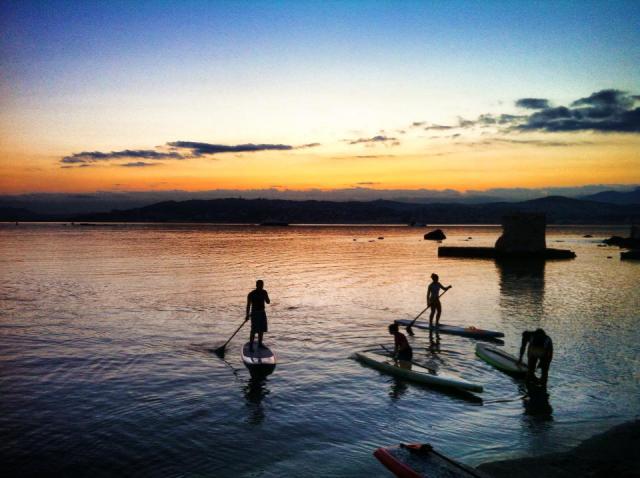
(260,334)
(438,308)
(532,362)
(544,366)
(431,314)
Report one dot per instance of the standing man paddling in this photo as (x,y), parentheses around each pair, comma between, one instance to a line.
(255,309)
(433,299)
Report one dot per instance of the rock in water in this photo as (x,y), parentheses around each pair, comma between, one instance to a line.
(522,233)
(436,235)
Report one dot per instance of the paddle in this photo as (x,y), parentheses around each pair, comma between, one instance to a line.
(432,370)
(220,350)
(409,331)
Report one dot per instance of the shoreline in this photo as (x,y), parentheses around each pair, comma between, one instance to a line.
(611,453)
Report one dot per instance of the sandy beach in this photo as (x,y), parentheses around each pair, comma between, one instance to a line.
(609,454)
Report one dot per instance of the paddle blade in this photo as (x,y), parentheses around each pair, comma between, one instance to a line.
(220,351)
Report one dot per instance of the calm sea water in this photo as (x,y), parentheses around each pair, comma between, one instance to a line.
(106,332)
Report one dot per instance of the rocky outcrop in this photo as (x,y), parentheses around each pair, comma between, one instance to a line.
(632,242)
(522,239)
(436,235)
(522,233)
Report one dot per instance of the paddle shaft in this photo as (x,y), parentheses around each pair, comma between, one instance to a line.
(425,309)
(220,350)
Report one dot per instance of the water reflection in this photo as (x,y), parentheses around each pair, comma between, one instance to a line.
(398,388)
(522,287)
(536,403)
(255,390)
(433,349)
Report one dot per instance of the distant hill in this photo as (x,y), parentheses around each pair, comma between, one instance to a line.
(12,214)
(616,197)
(559,210)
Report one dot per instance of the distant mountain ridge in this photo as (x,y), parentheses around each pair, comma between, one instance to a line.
(615,197)
(558,209)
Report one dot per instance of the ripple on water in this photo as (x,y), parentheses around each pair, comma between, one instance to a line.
(106,339)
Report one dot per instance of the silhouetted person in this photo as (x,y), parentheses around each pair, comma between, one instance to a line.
(255,309)
(433,299)
(539,354)
(402,350)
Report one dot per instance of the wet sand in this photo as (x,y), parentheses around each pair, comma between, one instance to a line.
(615,452)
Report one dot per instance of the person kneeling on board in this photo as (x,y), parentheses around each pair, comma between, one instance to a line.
(540,353)
(255,310)
(402,350)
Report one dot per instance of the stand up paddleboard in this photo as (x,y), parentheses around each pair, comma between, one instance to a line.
(422,461)
(501,360)
(260,361)
(471,331)
(415,373)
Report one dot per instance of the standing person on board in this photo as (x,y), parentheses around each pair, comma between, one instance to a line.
(433,299)
(540,354)
(402,350)
(255,310)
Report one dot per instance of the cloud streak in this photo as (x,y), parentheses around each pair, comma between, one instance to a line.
(206,149)
(88,157)
(379,139)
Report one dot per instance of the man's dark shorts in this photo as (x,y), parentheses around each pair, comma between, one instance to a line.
(258,321)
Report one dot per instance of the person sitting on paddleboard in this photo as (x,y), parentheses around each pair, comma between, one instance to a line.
(255,309)
(433,299)
(402,349)
(540,353)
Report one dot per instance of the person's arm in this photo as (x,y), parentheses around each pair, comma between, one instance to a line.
(248,306)
(395,346)
(266,297)
(523,345)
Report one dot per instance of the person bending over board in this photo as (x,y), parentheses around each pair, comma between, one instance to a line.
(402,349)
(540,354)
(255,310)
(433,299)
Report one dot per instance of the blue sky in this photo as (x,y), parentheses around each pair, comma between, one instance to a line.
(116,75)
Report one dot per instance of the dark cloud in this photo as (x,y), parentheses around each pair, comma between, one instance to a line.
(138,164)
(503,119)
(465,123)
(532,103)
(86,157)
(309,145)
(417,124)
(203,149)
(375,139)
(437,127)
(604,111)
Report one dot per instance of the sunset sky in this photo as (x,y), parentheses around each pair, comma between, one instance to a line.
(188,95)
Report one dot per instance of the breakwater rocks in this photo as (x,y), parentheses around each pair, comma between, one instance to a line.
(523,238)
(493,253)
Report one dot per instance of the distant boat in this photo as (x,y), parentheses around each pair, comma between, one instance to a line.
(274,223)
